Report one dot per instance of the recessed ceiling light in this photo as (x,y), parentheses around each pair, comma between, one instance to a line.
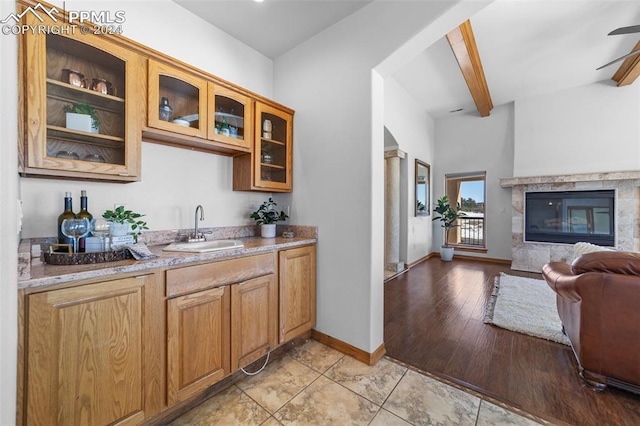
(258,1)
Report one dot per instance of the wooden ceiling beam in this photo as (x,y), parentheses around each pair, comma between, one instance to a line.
(629,70)
(463,45)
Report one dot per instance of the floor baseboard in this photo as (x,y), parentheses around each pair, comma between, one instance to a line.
(347,349)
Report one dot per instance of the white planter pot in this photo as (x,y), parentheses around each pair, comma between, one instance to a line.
(119,229)
(268,230)
(80,122)
(446,254)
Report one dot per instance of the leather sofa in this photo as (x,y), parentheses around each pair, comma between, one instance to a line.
(598,299)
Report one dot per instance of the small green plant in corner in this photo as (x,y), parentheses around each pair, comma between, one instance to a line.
(448,215)
(86,109)
(120,215)
(267,214)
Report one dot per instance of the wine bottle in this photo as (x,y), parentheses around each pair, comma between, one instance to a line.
(66,214)
(83,213)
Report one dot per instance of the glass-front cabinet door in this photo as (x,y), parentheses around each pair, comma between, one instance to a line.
(83,108)
(231,118)
(177,101)
(273,160)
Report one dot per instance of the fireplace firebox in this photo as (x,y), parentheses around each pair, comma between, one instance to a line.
(570,217)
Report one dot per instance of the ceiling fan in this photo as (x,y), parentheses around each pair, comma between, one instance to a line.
(623,30)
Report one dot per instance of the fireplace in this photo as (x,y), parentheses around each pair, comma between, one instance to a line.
(568,217)
(528,255)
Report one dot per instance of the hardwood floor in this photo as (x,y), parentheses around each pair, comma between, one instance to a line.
(433,321)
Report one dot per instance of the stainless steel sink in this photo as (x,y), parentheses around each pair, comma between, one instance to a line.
(205,246)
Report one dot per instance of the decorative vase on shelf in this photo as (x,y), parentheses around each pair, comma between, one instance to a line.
(82,116)
(268,230)
(165,111)
(80,122)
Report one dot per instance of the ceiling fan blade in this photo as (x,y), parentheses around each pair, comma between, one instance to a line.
(634,52)
(626,30)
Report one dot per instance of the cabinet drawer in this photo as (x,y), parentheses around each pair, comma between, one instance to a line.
(194,278)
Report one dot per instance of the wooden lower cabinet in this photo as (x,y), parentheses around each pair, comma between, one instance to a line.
(197,342)
(254,319)
(123,351)
(90,355)
(214,332)
(297,269)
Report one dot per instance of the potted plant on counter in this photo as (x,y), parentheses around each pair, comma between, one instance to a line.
(448,215)
(124,221)
(266,216)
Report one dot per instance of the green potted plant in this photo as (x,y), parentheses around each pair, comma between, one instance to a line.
(448,215)
(82,116)
(266,216)
(124,221)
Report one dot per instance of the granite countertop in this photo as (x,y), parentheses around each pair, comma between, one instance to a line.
(40,274)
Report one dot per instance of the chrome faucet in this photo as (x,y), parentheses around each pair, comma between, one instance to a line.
(196,235)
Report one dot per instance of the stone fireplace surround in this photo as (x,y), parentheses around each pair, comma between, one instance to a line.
(531,256)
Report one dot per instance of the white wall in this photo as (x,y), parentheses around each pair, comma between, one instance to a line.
(8,223)
(174,180)
(338,155)
(587,129)
(413,130)
(469,143)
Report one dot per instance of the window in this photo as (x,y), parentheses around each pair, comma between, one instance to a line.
(468,189)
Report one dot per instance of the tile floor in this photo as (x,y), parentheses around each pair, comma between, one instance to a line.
(316,385)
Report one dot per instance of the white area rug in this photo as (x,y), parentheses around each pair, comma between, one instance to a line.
(525,305)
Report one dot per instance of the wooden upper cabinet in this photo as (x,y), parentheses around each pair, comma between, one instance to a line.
(182,95)
(270,166)
(89,354)
(187,109)
(58,71)
(230,117)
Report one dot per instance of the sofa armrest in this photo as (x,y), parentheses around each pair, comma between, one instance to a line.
(559,277)
(613,262)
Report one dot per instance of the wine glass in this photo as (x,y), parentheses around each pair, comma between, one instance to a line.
(76,229)
(100,227)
